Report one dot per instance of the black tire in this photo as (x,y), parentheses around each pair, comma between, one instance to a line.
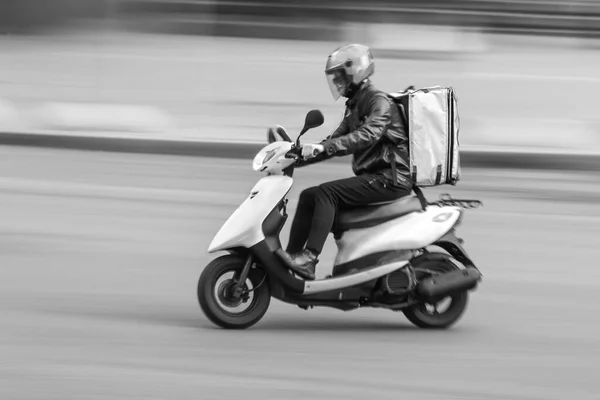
(421,317)
(210,300)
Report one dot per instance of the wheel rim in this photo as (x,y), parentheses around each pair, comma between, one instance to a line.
(222,295)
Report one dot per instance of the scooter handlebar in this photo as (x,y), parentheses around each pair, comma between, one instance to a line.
(296,152)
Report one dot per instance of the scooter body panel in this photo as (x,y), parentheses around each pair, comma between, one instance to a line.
(285,285)
(413,231)
(244,226)
(358,278)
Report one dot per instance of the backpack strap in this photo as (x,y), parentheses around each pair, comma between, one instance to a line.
(404,119)
(420,196)
(403,115)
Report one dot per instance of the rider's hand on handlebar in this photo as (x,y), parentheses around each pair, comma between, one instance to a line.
(311,150)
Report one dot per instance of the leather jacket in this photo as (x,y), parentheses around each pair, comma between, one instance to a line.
(374,133)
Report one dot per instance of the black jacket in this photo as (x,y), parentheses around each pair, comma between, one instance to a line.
(373,132)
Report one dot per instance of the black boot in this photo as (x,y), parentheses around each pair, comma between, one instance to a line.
(303,263)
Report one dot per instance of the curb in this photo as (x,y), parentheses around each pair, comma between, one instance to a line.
(470,158)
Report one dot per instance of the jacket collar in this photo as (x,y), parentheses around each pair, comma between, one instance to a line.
(359,94)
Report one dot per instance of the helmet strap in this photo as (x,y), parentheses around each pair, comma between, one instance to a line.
(353,88)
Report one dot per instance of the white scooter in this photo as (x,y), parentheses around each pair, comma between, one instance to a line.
(383,258)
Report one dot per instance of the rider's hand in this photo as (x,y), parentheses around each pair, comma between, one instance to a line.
(311,150)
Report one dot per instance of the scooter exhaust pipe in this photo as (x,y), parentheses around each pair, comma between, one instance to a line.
(440,286)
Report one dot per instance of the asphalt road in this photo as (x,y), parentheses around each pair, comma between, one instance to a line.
(100,255)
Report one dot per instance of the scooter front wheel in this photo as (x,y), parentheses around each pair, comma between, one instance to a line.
(215,294)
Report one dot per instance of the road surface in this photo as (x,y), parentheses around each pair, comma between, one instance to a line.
(100,255)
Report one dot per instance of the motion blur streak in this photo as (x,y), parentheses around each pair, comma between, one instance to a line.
(100,254)
(187,66)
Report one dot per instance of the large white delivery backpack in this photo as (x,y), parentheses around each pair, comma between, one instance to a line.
(431,117)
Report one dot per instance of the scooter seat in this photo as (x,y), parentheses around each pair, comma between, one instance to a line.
(376,213)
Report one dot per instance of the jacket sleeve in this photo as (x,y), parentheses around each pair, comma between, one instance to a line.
(342,129)
(319,158)
(379,116)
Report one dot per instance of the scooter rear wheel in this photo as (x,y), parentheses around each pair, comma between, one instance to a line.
(429,316)
(216,299)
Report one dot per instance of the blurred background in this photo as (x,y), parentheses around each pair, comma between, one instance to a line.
(526,72)
(100,252)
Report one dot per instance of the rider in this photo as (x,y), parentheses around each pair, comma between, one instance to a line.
(372,130)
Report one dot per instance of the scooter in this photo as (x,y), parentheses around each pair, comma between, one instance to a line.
(384,257)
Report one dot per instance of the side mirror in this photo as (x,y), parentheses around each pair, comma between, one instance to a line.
(313,119)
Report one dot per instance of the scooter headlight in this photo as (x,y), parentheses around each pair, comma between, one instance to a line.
(270,154)
(263,157)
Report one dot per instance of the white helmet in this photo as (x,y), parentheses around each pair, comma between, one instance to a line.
(347,67)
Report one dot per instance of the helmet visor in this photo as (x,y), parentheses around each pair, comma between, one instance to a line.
(338,82)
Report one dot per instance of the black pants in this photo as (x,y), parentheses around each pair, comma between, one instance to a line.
(317,207)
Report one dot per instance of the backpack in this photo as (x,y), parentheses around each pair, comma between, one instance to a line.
(431,119)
